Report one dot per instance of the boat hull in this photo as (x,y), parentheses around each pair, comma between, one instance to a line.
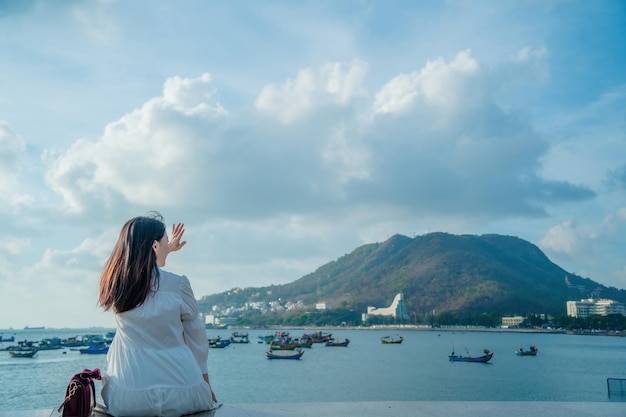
(530,352)
(218,343)
(478,359)
(23,353)
(526,352)
(345,343)
(389,341)
(99,351)
(279,346)
(295,355)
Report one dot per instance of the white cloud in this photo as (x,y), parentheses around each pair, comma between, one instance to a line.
(440,84)
(334,83)
(589,244)
(192,97)
(150,157)
(566,238)
(164,152)
(14,246)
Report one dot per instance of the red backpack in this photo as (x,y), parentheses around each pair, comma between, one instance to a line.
(80,395)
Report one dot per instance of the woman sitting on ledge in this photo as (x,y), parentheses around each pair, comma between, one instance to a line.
(157,362)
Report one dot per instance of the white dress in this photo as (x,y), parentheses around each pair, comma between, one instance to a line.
(158,355)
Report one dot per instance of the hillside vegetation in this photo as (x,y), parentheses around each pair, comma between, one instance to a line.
(437,272)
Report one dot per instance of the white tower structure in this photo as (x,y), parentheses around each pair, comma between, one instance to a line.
(396,309)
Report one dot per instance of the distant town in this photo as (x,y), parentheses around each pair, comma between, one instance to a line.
(592,315)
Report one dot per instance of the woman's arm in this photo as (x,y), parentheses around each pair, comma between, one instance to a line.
(194,331)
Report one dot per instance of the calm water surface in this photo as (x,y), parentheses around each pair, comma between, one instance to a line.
(567,368)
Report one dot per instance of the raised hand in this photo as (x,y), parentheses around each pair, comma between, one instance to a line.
(175,240)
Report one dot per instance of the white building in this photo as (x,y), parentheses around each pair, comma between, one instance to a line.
(323,306)
(513,321)
(213,320)
(590,307)
(210,319)
(396,309)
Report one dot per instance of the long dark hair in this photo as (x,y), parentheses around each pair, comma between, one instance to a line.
(131,272)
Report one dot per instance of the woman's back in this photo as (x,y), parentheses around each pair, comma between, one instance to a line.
(157,322)
(150,367)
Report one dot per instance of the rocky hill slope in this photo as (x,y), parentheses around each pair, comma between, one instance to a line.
(437,272)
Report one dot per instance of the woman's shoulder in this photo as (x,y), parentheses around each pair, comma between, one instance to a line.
(170,275)
(172,281)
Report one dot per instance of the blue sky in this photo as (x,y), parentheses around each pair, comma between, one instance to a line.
(286,134)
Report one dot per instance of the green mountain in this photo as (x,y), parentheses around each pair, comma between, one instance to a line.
(437,272)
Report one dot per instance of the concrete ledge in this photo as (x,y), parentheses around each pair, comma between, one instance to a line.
(403,408)
(429,409)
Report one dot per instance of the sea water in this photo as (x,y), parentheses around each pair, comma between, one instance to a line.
(567,368)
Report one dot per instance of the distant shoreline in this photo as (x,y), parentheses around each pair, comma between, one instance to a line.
(396,328)
(426,328)
(407,328)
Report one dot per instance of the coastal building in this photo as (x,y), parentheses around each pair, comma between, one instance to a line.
(209,319)
(213,320)
(397,309)
(513,321)
(323,306)
(589,307)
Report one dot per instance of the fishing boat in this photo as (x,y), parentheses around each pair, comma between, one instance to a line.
(282,346)
(332,342)
(238,337)
(23,346)
(269,337)
(532,351)
(26,353)
(95,349)
(282,354)
(481,359)
(388,340)
(218,343)
(72,342)
(303,343)
(50,344)
(317,336)
(7,339)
